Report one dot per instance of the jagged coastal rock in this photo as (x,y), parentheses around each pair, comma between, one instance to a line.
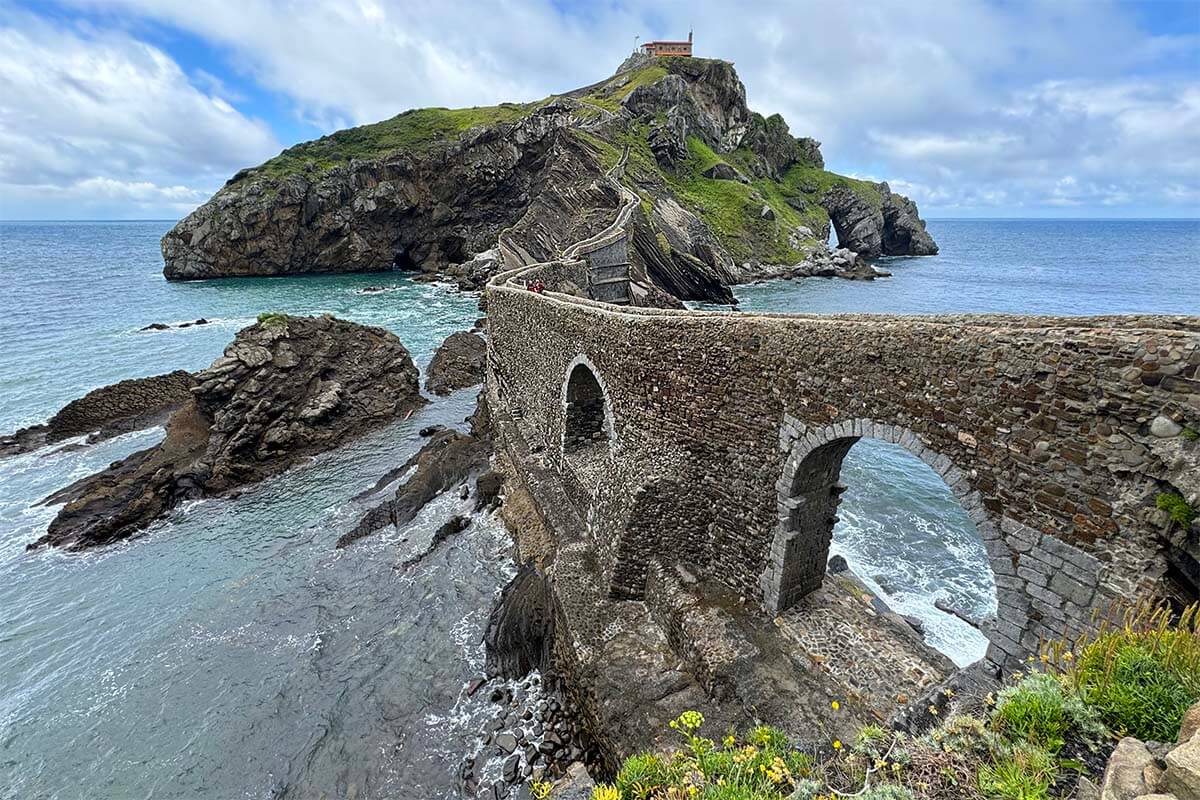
(447,460)
(725,192)
(882,225)
(286,388)
(457,364)
(102,413)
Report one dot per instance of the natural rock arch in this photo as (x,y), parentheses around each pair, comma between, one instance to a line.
(808,494)
(587,412)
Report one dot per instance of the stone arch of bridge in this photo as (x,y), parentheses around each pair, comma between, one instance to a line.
(587,411)
(809,492)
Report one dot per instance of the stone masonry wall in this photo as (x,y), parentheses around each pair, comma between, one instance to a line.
(1039,425)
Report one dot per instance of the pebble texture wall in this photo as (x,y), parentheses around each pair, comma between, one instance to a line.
(727,433)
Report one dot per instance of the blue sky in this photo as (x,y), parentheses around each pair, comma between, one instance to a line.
(1029,108)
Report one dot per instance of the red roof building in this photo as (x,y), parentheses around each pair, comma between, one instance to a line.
(660,49)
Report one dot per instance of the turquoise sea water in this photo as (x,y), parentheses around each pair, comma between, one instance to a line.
(73,297)
(232,652)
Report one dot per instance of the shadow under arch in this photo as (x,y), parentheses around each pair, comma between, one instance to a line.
(809,492)
(587,413)
(666,521)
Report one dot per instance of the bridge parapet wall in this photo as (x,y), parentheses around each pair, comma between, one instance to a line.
(1039,425)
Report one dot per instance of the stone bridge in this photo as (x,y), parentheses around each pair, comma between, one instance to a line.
(714,440)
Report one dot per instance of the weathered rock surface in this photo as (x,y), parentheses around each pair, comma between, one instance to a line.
(777,150)
(413,209)
(423,193)
(1137,770)
(1124,776)
(577,784)
(129,405)
(889,227)
(699,97)
(285,389)
(520,630)
(1182,776)
(839,263)
(457,364)
(1190,725)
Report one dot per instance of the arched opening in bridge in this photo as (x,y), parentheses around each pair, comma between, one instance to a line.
(586,412)
(903,533)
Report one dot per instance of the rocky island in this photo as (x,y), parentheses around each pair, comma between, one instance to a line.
(725,195)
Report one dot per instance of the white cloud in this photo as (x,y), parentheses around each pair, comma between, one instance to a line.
(104,122)
(971,103)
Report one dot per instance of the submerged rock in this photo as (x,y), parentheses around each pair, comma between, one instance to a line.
(286,388)
(457,364)
(128,405)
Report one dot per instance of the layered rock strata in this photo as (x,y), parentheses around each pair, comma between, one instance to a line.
(102,413)
(431,191)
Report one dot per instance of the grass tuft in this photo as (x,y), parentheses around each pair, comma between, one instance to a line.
(1179,509)
(1144,674)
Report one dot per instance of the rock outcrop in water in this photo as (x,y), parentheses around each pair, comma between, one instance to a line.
(286,388)
(457,364)
(447,460)
(129,405)
(724,189)
(884,225)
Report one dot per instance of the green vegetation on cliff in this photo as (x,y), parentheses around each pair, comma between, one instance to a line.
(609,94)
(732,209)
(412,131)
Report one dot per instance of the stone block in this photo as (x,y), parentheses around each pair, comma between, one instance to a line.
(1123,777)
(1191,723)
(1070,589)
(1182,776)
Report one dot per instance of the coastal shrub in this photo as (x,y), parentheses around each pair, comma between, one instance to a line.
(1178,508)
(871,740)
(759,766)
(606,791)
(1143,675)
(642,775)
(1041,710)
(269,318)
(1018,772)
(887,791)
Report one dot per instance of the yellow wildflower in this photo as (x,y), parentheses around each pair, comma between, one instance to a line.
(837,745)
(835,705)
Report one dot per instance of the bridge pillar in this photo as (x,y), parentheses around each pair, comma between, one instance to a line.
(808,512)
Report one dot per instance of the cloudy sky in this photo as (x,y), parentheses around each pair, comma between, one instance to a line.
(142,108)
